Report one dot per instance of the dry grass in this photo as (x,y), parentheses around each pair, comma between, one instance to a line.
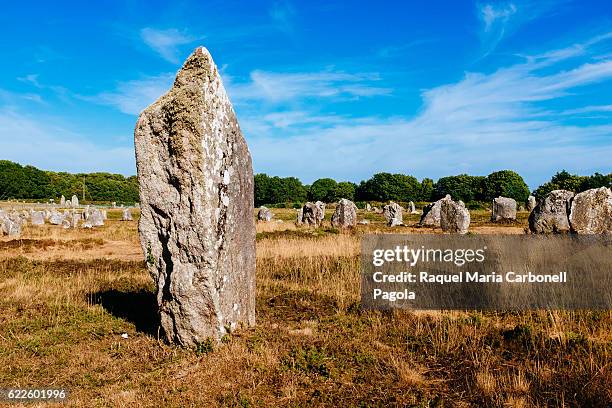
(65,301)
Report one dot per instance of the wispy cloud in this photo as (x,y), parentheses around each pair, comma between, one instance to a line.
(166,42)
(41,142)
(482,122)
(278,87)
(131,97)
(282,14)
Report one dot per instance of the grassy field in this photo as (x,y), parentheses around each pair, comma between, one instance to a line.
(67,296)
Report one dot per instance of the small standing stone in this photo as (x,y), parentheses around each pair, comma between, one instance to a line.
(313,213)
(127,215)
(62,201)
(531,203)
(74,201)
(345,214)
(551,214)
(431,213)
(454,217)
(504,209)
(264,214)
(591,212)
(38,218)
(299,216)
(394,214)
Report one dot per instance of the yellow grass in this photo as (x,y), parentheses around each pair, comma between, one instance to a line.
(67,296)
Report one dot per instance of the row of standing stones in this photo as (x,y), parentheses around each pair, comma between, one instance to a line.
(12,222)
(197,229)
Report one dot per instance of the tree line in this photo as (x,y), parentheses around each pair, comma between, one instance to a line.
(28,182)
(384,187)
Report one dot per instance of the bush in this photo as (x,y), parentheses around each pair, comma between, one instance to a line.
(505,183)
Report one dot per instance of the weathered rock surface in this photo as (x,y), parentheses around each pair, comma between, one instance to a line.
(299,216)
(126,215)
(551,214)
(196,227)
(345,214)
(431,213)
(37,218)
(394,214)
(74,201)
(591,212)
(56,218)
(62,201)
(264,214)
(412,208)
(9,226)
(96,218)
(313,213)
(503,209)
(531,203)
(454,217)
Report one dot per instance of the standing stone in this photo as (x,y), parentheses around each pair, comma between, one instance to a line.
(9,227)
(74,219)
(56,218)
(503,209)
(345,215)
(551,214)
(531,203)
(299,216)
(264,214)
(127,215)
(394,214)
(37,218)
(313,213)
(431,213)
(412,208)
(197,229)
(62,201)
(96,218)
(368,207)
(74,201)
(68,203)
(591,212)
(454,217)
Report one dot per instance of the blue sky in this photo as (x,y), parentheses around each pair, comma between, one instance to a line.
(321,88)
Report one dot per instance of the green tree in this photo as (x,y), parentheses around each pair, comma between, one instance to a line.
(562,180)
(427,190)
(386,187)
(461,187)
(344,189)
(506,183)
(323,190)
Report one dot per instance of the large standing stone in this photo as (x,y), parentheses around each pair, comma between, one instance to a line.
(264,214)
(394,214)
(454,217)
(503,209)
(531,203)
(74,201)
(431,213)
(345,214)
(551,214)
(8,226)
(96,218)
(591,212)
(196,195)
(313,213)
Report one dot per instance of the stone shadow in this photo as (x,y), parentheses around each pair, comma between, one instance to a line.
(137,307)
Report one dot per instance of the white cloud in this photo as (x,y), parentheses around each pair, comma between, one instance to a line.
(278,87)
(166,42)
(492,15)
(481,123)
(40,142)
(131,97)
